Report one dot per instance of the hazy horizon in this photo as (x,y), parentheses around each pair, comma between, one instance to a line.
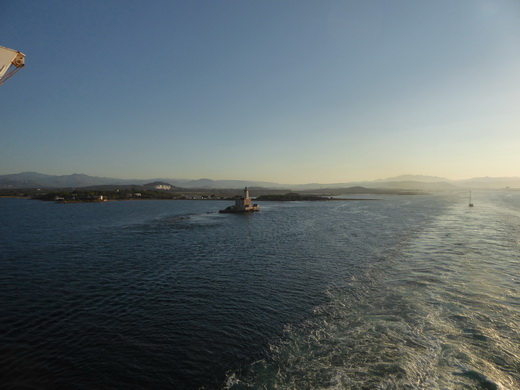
(285,92)
(402,177)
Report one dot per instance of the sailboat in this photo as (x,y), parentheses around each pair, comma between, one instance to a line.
(470,204)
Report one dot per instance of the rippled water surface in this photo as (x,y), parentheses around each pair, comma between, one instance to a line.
(417,292)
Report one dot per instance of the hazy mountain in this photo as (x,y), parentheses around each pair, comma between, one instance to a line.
(34,179)
(419,178)
(208,183)
(39,180)
(391,185)
(408,182)
(414,185)
(476,182)
(386,184)
(490,182)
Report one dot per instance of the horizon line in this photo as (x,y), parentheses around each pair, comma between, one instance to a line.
(441,179)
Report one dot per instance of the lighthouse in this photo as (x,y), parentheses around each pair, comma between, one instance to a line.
(242,205)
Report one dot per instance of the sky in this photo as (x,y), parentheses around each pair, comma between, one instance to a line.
(284,91)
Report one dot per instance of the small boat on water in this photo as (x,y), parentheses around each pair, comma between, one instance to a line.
(470,204)
(242,205)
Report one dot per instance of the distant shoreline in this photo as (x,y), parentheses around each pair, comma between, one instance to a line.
(179,199)
(90,195)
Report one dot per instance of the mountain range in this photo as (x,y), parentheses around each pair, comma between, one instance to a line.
(409,182)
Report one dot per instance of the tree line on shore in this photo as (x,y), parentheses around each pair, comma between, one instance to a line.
(96,195)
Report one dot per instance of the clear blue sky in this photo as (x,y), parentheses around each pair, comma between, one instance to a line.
(285,91)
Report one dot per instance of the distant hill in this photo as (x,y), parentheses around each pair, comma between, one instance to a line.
(208,183)
(39,180)
(383,184)
(358,190)
(403,182)
(418,178)
(36,180)
(490,182)
(415,185)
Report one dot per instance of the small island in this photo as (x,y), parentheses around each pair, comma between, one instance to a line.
(242,205)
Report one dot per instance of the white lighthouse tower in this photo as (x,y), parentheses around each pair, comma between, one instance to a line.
(242,205)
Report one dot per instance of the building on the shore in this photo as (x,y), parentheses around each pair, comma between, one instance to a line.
(163,187)
(242,205)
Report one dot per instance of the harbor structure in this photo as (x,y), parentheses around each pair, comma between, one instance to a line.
(242,205)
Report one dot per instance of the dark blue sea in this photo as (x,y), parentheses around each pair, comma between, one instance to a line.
(404,292)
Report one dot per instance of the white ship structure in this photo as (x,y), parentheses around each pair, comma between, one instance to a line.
(11,61)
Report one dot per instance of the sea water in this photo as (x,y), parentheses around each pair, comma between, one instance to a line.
(403,292)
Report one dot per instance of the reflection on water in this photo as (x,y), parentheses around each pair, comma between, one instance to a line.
(441,311)
(405,292)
